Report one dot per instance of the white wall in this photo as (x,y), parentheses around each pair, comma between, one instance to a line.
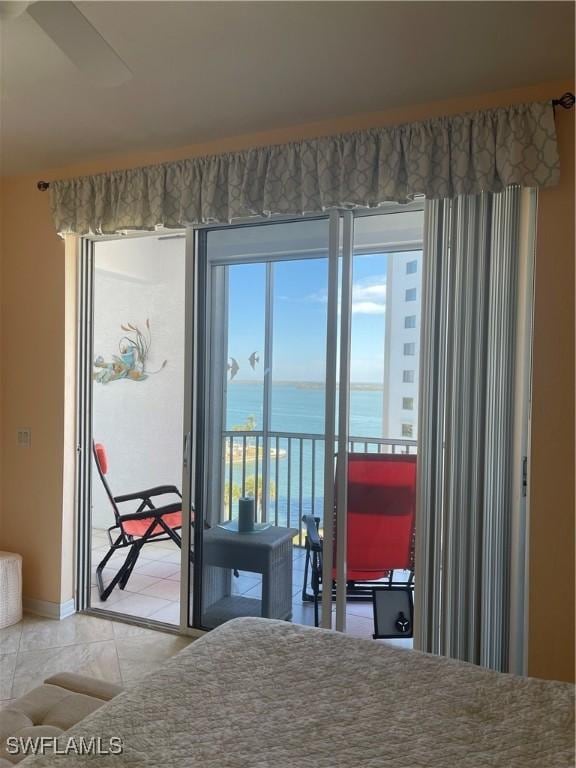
(139,422)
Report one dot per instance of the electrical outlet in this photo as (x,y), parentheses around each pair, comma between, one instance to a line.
(24,438)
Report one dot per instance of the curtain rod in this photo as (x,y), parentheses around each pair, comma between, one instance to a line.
(566,101)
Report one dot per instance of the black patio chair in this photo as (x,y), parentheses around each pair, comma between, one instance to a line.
(136,529)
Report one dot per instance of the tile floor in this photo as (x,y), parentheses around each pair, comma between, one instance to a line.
(153,590)
(36,648)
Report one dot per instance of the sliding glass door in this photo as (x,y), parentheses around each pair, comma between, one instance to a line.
(243,366)
(295,372)
(261,459)
(383,421)
(259,358)
(135,378)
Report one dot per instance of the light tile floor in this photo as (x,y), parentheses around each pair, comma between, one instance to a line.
(36,648)
(153,590)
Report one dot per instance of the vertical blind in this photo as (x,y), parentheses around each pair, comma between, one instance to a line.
(466,457)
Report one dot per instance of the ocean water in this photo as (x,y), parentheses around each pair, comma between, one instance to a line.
(300,408)
(296,471)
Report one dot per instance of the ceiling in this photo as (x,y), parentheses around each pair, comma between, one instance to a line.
(208,70)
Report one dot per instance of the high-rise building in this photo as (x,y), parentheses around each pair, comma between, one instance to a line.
(402,345)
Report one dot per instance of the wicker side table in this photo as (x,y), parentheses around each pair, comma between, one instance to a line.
(10,589)
(268,553)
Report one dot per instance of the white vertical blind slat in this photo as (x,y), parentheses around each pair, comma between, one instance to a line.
(465,467)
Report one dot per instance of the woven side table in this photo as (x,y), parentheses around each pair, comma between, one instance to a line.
(268,553)
(10,589)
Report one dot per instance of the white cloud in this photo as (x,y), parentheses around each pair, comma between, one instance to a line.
(368,296)
(367,308)
(318,297)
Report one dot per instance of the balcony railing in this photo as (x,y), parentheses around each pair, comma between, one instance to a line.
(292,475)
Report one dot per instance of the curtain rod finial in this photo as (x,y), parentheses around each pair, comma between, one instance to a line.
(566,101)
(43,185)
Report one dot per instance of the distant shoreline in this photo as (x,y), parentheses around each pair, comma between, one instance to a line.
(356,386)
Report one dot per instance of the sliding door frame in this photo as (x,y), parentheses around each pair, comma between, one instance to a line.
(347,219)
(195,425)
(330,415)
(193,393)
(83,410)
(199,371)
(83,469)
(520,518)
(340,251)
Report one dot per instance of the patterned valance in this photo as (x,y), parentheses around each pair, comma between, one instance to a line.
(439,158)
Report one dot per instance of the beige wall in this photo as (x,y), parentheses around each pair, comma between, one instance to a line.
(32,371)
(551,611)
(37,342)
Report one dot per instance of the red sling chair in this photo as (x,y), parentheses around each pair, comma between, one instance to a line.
(135,529)
(380,526)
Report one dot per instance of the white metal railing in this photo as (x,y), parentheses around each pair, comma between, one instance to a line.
(294,472)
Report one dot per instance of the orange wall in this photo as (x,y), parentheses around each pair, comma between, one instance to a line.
(37,341)
(551,611)
(32,386)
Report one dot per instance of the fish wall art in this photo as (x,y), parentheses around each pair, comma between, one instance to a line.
(234,366)
(130,363)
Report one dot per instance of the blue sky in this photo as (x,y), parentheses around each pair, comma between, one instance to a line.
(300,319)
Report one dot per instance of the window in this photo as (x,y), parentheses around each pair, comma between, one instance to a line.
(407,403)
(411,267)
(408,377)
(410,294)
(410,348)
(407,430)
(410,321)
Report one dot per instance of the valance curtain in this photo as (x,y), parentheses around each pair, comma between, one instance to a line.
(439,158)
(466,457)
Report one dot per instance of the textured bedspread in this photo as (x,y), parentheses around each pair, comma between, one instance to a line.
(266,694)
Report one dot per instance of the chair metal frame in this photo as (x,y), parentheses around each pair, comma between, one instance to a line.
(358,590)
(146,510)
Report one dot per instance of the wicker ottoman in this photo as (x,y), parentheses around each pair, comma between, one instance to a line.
(10,589)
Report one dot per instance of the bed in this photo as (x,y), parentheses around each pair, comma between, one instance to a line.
(258,693)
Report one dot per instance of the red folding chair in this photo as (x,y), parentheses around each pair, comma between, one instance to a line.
(380,526)
(135,529)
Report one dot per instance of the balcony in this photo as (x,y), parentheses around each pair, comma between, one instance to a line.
(292,474)
(263,402)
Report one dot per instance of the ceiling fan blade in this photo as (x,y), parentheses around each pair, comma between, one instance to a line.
(80,41)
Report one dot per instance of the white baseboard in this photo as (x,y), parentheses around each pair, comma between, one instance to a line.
(49,610)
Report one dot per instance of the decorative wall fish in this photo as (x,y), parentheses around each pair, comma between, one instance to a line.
(134,348)
(233,367)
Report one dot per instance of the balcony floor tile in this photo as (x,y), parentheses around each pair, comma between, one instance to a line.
(152,592)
